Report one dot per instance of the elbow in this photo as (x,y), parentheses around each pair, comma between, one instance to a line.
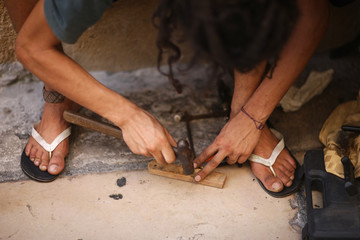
(24,52)
(314,17)
(316,12)
(21,51)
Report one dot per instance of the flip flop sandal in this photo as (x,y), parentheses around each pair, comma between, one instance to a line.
(299,171)
(33,171)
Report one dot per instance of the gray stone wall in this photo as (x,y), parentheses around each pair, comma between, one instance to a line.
(124,39)
(7,36)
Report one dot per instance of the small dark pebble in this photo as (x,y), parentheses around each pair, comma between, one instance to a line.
(121,182)
(7,110)
(116,196)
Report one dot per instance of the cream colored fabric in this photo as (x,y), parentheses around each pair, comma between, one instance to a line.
(339,143)
(314,85)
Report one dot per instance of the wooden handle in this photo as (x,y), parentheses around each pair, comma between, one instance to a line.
(84,121)
(214,179)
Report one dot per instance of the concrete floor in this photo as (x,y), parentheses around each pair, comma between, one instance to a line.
(151,207)
(78,204)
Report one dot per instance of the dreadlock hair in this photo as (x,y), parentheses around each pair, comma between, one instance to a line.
(230,33)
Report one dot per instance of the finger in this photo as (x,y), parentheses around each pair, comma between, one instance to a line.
(158,157)
(209,167)
(205,155)
(168,154)
(232,159)
(243,158)
(170,138)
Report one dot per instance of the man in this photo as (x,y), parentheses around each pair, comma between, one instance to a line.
(38,47)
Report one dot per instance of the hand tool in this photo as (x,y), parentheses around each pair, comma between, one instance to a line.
(183,153)
(185,156)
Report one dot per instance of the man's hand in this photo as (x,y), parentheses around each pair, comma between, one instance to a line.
(236,141)
(145,135)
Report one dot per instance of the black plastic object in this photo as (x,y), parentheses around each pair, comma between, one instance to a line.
(339,218)
(350,128)
(349,177)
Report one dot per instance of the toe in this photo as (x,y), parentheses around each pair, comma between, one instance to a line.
(56,164)
(44,162)
(288,166)
(38,157)
(288,184)
(272,183)
(283,174)
(33,152)
(264,174)
(28,149)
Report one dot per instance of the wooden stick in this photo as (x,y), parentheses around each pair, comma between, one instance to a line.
(214,179)
(84,121)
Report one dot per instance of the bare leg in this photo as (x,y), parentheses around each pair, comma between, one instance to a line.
(19,10)
(245,85)
(298,50)
(37,49)
(52,122)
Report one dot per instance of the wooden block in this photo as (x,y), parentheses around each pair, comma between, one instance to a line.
(214,179)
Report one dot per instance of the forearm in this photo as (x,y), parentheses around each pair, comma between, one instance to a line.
(302,43)
(67,77)
(245,85)
(38,49)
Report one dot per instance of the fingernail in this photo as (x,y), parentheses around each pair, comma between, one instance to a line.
(197,178)
(32,159)
(43,168)
(53,168)
(37,162)
(276,186)
(292,177)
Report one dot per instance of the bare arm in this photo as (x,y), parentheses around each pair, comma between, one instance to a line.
(37,49)
(239,136)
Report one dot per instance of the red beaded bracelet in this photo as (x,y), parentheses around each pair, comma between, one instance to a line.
(259,125)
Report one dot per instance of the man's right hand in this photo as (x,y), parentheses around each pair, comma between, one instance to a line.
(145,135)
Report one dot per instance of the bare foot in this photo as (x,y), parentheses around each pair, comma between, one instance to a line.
(284,165)
(50,126)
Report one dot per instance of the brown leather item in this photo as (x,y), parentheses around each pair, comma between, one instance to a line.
(52,96)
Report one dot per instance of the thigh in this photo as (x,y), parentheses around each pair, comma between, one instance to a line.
(18,11)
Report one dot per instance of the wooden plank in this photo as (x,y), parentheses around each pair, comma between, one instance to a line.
(214,179)
(87,122)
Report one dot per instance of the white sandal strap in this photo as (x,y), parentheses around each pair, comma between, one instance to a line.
(50,147)
(271,160)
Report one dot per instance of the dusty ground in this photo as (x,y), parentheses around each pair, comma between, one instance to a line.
(78,204)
